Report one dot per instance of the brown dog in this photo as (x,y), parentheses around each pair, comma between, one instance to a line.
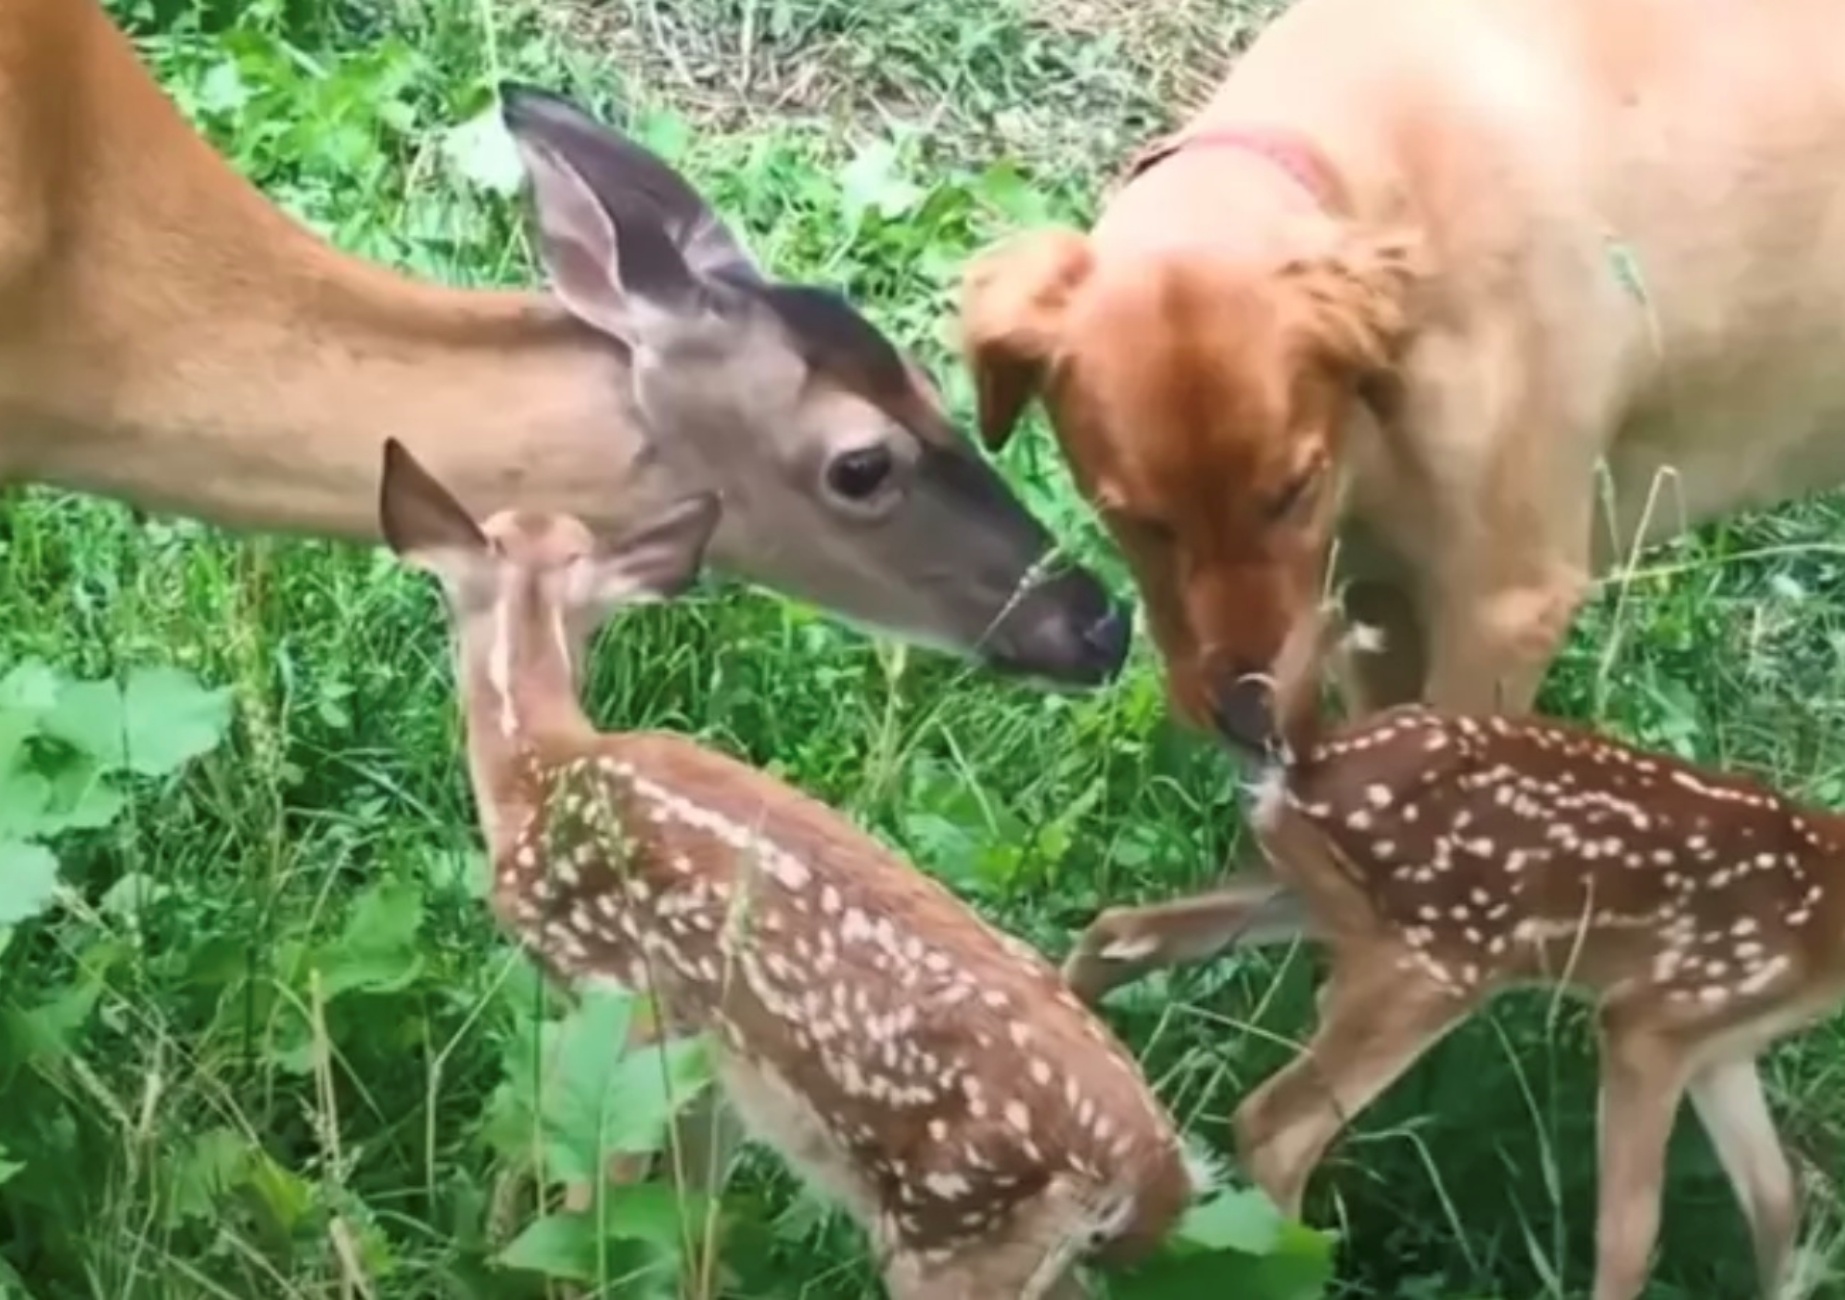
(1411,281)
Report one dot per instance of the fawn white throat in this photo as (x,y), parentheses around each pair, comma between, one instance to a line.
(931,1073)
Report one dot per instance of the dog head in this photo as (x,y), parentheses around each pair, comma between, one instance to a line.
(1201,400)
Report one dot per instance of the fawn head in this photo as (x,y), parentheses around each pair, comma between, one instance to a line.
(845,481)
(535,586)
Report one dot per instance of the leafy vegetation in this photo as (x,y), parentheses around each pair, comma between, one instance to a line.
(257,1036)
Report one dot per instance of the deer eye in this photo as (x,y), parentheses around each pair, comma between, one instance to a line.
(858,475)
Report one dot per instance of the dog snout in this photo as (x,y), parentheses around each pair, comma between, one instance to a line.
(1242,708)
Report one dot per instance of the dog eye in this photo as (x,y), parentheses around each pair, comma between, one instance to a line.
(1144,527)
(1291,497)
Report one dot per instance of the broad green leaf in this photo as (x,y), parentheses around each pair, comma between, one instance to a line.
(557,1245)
(630,1262)
(42,1035)
(286,1196)
(1244,1220)
(81,797)
(1235,1243)
(89,716)
(211,1164)
(596,1101)
(25,800)
(130,894)
(377,952)
(29,688)
(28,880)
(153,724)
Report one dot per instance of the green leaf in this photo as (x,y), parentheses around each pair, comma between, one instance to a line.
(25,800)
(28,880)
(1235,1243)
(30,688)
(80,796)
(1244,1220)
(153,724)
(598,1102)
(377,952)
(557,1245)
(641,1241)
(212,1163)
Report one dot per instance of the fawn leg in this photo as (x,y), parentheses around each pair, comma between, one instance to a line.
(1032,1257)
(1375,1021)
(1730,1103)
(1124,943)
(1643,1077)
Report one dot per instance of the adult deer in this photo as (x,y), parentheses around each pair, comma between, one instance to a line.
(169,337)
(1442,858)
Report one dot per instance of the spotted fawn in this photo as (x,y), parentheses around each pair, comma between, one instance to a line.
(932,1074)
(1441,859)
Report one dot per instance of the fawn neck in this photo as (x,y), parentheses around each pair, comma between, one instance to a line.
(519,680)
(170,337)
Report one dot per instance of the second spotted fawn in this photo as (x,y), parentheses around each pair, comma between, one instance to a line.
(930,1073)
(1440,859)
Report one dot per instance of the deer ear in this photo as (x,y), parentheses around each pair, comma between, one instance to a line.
(624,238)
(657,561)
(1013,301)
(421,520)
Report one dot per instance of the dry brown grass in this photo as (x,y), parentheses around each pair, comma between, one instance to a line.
(1062,82)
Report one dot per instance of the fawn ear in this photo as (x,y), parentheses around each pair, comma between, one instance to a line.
(422,522)
(657,561)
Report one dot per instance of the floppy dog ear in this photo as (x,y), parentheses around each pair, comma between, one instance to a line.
(1013,300)
(1358,299)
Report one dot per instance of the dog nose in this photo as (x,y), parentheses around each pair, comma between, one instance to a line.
(1242,708)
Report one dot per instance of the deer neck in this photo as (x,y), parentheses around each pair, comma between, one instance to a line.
(519,672)
(170,337)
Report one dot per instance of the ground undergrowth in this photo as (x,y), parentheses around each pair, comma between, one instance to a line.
(257,1037)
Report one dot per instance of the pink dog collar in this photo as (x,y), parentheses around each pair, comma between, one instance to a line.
(1286,151)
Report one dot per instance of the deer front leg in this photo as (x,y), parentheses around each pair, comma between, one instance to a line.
(1124,943)
(1376,1020)
(1643,1078)
(1729,1102)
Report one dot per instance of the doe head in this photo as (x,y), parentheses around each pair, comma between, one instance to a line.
(543,574)
(1204,400)
(845,482)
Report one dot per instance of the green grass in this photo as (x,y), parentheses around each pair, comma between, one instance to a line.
(267,1043)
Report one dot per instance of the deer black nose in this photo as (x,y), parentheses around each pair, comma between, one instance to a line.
(1067,630)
